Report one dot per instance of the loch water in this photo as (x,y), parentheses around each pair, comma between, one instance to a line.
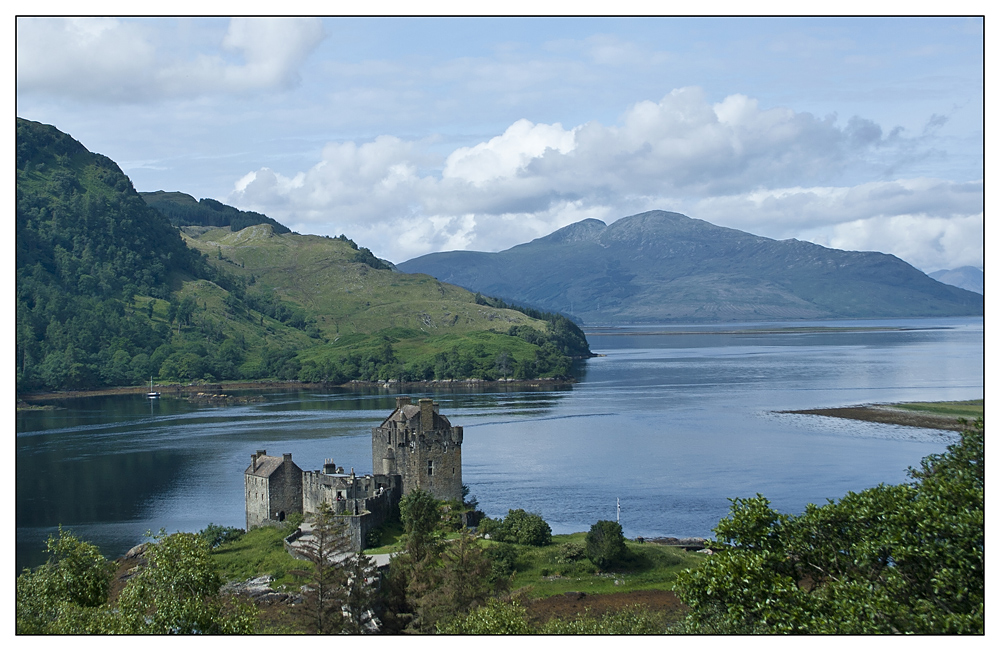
(669,422)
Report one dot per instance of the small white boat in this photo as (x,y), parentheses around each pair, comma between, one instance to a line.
(152,394)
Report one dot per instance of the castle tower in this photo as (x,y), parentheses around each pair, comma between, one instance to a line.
(419,444)
(273,489)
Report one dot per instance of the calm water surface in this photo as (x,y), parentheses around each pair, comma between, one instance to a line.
(671,424)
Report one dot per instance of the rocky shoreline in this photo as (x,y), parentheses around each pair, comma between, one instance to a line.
(24,401)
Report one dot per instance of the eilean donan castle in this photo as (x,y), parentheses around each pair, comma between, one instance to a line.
(414,448)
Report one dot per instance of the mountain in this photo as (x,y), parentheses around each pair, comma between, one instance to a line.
(183,210)
(969,278)
(110,293)
(663,266)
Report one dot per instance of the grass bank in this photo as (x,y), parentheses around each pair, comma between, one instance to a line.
(969,409)
(929,415)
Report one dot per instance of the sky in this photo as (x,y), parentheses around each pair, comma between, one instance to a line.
(416,135)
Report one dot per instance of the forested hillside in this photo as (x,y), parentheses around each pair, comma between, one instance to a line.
(87,244)
(109,293)
(183,210)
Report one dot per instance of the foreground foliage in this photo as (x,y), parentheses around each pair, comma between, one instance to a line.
(434,580)
(340,589)
(510,618)
(890,559)
(176,592)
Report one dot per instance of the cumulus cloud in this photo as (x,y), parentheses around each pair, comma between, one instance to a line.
(105,59)
(773,171)
(928,243)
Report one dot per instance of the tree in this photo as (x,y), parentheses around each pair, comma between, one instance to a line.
(518,527)
(327,550)
(432,582)
(503,364)
(177,592)
(67,594)
(420,514)
(605,544)
(361,598)
(461,581)
(889,559)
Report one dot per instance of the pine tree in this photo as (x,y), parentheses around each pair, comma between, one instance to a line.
(327,548)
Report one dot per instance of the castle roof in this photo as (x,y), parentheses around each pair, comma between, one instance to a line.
(266,466)
(411,412)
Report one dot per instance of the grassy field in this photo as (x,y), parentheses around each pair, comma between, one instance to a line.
(957,408)
(561,567)
(321,275)
(538,571)
(261,551)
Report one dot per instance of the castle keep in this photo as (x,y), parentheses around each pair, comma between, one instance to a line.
(419,444)
(414,448)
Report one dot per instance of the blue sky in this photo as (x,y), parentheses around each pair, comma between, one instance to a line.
(414,135)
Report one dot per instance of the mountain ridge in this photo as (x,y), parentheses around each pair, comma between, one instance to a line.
(661,266)
(969,278)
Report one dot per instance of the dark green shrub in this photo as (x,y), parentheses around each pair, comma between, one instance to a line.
(216,534)
(503,557)
(518,527)
(605,544)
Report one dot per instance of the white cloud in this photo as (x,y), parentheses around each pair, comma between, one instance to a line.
(111,60)
(774,172)
(507,155)
(928,243)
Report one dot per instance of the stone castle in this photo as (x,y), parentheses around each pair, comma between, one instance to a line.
(414,448)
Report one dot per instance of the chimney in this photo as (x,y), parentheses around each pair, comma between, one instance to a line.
(329,467)
(287,457)
(402,401)
(426,414)
(255,457)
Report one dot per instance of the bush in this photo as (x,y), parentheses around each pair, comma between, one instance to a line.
(216,534)
(905,558)
(570,552)
(519,527)
(503,557)
(605,544)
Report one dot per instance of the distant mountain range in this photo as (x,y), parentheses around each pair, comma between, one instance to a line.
(666,267)
(968,278)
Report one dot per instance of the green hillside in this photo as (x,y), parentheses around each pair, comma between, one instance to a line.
(401,326)
(109,293)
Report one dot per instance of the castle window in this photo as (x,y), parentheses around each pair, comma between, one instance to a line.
(430,467)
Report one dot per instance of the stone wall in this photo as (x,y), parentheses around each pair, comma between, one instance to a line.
(257,502)
(285,491)
(434,464)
